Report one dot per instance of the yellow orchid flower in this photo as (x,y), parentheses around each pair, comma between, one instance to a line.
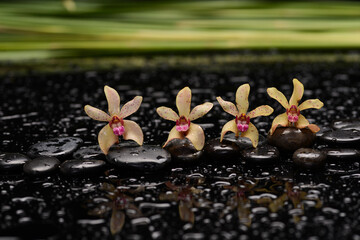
(241,123)
(292,116)
(109,135)
(184,127)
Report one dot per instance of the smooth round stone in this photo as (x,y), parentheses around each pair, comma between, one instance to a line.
(183,150)
(12,161)
(243,142)
(41,166)
(146,158)
(264,154)
(346,124)
(309,158)
(342,154)
(81,167)
(344,138)
(289,138)
(91,152)
(55,147)
(224,150)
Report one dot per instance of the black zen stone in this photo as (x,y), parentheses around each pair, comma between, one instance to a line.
(55,147)
(91,152)
(346,124)
(183,150)
(145,158)
(12,161)
(264,154)
(224,150)
(342,154)
(289,138)
(82,167)
(343,138)
(243,142)
(41,166)
(309,158)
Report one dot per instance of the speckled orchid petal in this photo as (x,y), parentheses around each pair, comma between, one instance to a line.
(113,100)
(253,134)
(117,221)
(281,120)
(196,136)
(133,132)
(311,103)
(242,95)
(228,107)
(97,114)
(278,96)
(167,113)
(130,107)
(314,128)
(229,127)
(200,111)
(302,122)
(263,110)
(174,134)
(297,93)
(107,138)
(183,101)
(185,212)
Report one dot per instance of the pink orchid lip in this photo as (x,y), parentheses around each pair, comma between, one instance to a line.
(293,114)
(182,124)
(242,122)
(117,125)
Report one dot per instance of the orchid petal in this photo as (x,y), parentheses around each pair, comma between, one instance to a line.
(174,134)
(263,110)
(281,120)
(183,101)
(228,107)
(302,122)
(314,128)
(242,95)
(253,134)
(130,107)
(167,113)
(196,136)
(113,100)
(97,114)
(229,127)
(185,212)
(278,96)
(117,221)
(311,103)
(200,111)
(133,132)
(297,93)
(107,138)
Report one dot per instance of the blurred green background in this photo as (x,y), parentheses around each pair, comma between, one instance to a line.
(78,28)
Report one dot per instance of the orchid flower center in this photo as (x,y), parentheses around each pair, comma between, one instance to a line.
(117,125)
(242,122)
(182,124)
(293,114)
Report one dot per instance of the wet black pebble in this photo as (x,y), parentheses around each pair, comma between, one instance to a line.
(309,158)
(12,161)
(264,154)
(344,138)
(81,167)
(55,147)
(145,158)
(183,150)
(343,154)
(220,151)
(242,142)
(41,166)
(289,138)
(91,152)
(346,124)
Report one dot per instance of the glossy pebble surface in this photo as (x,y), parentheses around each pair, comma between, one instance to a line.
(342,154)
(346,124)
(264,154)
(182,150)
(225,150)
(80,167)
(55,147)
(309,158)
(91,152)
(344,138)
(41,166)
(12,161)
